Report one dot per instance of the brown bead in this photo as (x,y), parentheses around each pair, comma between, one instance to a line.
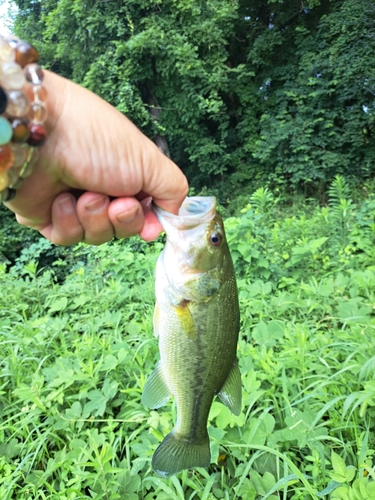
(6,157)
(36,93)
(38,134)
(26,54)
(34,74)
(21,130)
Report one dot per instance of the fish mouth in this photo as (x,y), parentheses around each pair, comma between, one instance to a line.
(194,211)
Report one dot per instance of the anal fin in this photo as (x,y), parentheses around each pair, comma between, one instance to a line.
(231,392)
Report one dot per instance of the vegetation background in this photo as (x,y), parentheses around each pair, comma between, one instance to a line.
(269,105)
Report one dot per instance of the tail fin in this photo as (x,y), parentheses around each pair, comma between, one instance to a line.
(175,454)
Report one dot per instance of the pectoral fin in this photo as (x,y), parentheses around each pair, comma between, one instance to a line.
(186,320)
(231,392)
(156,392)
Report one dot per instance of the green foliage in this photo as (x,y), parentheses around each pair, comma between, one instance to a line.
(318,116)
(263,200)
(13,237)
(241,92)
(350,488)
(20,245)
(75,356)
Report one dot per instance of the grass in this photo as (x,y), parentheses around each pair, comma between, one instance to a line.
(75,356)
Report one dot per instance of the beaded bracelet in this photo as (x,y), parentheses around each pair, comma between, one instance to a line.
(22,113)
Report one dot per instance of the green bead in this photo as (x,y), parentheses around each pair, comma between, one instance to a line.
(6,131)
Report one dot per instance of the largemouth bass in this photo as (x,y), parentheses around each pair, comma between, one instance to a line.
(197,321)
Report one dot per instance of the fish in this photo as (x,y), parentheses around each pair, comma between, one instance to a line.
(197,322)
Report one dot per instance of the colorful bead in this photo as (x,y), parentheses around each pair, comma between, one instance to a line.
(20,152)
(34,74)
(29,163)
(7,195)
(11,194)
(26,171)
(20,130)
(21,95)
(36,93)
(33,155)
(6,158)
(6,52)
(16,183)
(37,113)
(18,103)
(13,175)
(12,76)
(12,41)
(26,53)
(3,195)
(4,180)
(3,100)
(5,131)
(38,134)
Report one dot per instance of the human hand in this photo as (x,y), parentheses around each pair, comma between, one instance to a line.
(94,152)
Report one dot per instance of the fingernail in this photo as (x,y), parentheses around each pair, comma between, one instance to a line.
(67,205)
(128,216)
(96,205)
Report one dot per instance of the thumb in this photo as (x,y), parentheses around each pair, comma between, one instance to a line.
(165,182)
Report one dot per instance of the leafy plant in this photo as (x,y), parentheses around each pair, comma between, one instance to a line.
(349,488)
(76,352)
(263,200)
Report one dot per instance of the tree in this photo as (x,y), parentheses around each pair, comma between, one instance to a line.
(318,119)
(238,92)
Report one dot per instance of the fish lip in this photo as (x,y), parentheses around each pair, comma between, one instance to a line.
(194,211)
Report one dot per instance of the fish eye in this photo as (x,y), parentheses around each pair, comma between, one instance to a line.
(215,239)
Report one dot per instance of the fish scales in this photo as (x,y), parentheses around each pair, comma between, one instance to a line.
(204,370)
(197,322)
